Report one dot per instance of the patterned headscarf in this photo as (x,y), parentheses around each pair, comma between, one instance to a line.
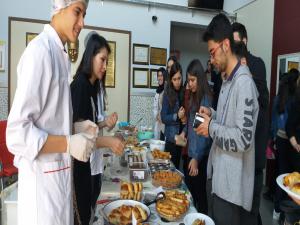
(57,5)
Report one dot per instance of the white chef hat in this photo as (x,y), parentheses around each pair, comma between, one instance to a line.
(57,5)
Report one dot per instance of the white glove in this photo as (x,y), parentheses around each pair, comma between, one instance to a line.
(80,146)
(87,127)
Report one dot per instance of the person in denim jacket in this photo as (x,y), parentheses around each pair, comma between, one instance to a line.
(172,112)
(198,146)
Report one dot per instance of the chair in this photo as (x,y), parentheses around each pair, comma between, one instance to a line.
(7,169)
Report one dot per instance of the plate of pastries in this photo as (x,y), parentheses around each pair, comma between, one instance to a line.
(197,219)
(132,191)
(173,206)
(157,154)
(167,179)
(290,183)
(120,212)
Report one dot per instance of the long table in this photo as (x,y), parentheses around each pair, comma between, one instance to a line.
(111,191)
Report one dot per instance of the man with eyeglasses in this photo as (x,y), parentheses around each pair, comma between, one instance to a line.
(258,70)
(232,128)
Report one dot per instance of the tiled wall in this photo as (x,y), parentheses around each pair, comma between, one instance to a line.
(3,103)
(141,106)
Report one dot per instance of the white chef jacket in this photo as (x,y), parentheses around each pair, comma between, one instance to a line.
(96,158)
(42,106)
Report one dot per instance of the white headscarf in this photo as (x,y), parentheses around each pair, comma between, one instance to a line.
(57,5)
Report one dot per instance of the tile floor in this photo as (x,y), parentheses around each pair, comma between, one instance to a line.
(266,211)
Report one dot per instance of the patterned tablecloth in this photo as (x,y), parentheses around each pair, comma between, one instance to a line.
(111,191)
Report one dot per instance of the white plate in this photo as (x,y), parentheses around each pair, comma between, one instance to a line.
(279,181)
(115,204)
(190,218)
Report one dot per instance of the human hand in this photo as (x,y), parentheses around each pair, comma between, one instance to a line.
(295,144)
(116,145)
(87,127)
(80,146)
(205,110)
(180,140)
(111,120)
(202,129)
(193,167)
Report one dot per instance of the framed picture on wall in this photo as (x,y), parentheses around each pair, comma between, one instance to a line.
(158,56)
(293,65)
(140,54)
(110,79)
(2,57)
(30,36)
(140,77)
(153,79)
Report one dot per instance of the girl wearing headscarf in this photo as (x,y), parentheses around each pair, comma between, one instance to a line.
(159,127)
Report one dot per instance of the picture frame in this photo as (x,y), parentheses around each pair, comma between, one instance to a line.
(153,79)
(293,65)
(2,57)
(140,54)
(140,78)
(158,56)
(110,79)
(30,36)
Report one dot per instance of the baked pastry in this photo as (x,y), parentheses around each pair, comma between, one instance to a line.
(296,188)
(123,215)
(291,179)
(131,190)
(157,154)
(198,222)
(174,206)
(166,179)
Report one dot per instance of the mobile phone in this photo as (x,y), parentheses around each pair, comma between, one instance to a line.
(198,120)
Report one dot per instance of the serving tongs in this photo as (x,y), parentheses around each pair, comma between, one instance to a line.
(159,196)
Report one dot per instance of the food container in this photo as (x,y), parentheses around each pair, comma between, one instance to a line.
(138,171)
(172,208)
(167,179)
(159,164)
(157,144)
(115,204)
(190,218)
(145,135)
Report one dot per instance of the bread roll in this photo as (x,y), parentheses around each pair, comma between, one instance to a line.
(142,212)
(296,188)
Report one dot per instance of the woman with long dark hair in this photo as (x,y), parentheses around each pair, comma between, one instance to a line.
(159,127)
(198,146)
(172,111)
(281,107)
(86,88)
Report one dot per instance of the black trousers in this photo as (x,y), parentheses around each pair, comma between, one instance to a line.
(175,151)
(227,213)
(82,186)
(197,185)
(96,189)
(253,217)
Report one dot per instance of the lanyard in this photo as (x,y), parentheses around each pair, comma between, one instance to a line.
(94,109)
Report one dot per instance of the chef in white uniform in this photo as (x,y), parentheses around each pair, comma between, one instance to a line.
(40,121)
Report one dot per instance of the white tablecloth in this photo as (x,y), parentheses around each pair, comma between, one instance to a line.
(111,190)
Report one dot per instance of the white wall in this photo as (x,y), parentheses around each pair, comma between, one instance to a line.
(231,5)
(188,40)
(125,16)
(258,18)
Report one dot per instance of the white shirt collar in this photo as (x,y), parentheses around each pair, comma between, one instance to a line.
(52,32)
